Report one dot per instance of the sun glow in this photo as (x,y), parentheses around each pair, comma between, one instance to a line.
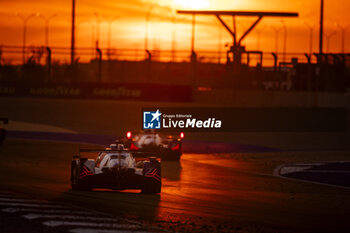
(192,4)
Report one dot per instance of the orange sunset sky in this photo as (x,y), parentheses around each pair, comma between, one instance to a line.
(128,23)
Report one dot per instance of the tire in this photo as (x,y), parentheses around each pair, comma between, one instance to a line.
(151,185)
(75,181)
(74,175)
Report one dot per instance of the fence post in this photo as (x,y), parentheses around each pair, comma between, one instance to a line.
(194,69)
(148,63)
(99,52)
(48,64)
(308,85)
(275,63)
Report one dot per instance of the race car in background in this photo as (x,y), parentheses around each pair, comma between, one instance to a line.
(2,130)
(169,147)
(116,168)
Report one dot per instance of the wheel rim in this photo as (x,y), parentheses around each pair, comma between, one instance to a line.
(75,176)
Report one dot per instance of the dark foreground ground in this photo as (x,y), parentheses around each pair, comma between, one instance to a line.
(201,193)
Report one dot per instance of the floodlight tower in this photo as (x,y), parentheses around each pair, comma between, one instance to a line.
(47,20)
(321,27)
(25,20)
(72,50)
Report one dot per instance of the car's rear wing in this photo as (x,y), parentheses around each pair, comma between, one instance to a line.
(134,153)
(4,120)
(174,134)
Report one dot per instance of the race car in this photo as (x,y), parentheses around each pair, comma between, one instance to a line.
(168,147)
(2,130)
(116,168)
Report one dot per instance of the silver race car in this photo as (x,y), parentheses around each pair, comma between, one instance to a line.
(116,168)
(169,147)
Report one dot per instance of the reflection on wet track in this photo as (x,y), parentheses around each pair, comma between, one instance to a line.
(206,185)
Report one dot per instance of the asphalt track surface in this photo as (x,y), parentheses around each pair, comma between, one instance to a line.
(225,192)
(201,193)
(189,146)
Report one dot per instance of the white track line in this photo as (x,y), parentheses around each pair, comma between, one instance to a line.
(33,205)
(92,230)
(326,171)
(276,173)
(90,224)
(46,211)
(69,217)
(290,169)
(36,210)
(307,164)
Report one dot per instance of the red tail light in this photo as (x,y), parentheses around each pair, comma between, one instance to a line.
(182,135)
(128,135)
(133,147)
(177,147)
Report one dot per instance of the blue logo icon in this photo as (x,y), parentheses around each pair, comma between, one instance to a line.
(151,120)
